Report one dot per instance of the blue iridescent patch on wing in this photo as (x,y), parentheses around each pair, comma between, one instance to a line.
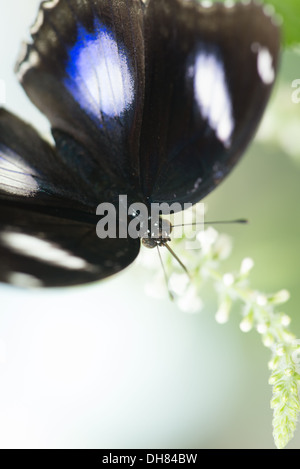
(99,73)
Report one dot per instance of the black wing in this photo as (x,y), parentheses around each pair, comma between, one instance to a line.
(165,94)
(85,71)
(209,73)
(47,229)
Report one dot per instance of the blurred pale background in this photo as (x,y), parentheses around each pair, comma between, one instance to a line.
(108,367)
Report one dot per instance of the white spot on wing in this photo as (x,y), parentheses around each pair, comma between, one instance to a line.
(269,10)
(196,186)
(32,61)
(38,23)
(206,3)
(16,177)
(229,3)
(264,64)
(213,96)
(100,78)
(43,251)
(19,279)
(50,4)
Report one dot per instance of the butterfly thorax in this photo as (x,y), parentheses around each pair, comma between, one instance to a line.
(158,236)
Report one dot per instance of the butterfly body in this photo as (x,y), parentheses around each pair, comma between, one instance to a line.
(154,99)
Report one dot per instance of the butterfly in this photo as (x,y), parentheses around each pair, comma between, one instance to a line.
(155,99)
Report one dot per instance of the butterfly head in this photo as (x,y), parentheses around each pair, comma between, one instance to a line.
(159,236)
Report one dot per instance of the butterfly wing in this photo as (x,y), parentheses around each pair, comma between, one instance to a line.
(85,71)
(153,99)
(209,73)
(47,230)
(31,169)
(164,94)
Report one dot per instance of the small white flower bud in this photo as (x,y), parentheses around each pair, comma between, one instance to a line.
(207,238)
(246,325)
(280,350)
(178,283)
(268,340)
(262,328)
(222,314)
(281,297)
(285,320)
(261,300)
(190,302)
(228,280)
(223,246)
(246,266)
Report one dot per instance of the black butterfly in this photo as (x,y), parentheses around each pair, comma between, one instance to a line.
(155,99)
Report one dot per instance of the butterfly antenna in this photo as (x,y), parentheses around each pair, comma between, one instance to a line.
(240,221)
(178,260)
(165,275)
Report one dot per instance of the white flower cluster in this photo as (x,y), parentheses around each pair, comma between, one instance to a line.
(258,311)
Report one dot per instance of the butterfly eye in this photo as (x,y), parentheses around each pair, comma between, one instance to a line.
(149,243)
